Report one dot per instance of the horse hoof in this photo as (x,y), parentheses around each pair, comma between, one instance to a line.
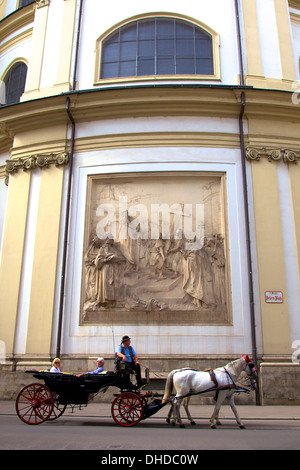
(173,424)
(182,426)
(213,427)
(219,423)
(242,426)
(193,423)
(168,421)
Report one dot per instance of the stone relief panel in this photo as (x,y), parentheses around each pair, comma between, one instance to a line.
(155,250)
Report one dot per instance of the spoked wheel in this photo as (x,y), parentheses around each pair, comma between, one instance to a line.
(57,410)
(127,409)
(34,404)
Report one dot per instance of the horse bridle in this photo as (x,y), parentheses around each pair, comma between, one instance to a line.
(253,369)
(252,376)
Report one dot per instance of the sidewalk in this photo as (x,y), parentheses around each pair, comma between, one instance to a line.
(249,412)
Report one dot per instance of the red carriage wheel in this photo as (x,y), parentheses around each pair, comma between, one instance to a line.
(57,410)
(127,409)
(34,404)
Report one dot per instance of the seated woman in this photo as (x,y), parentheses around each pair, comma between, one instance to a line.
(56,365)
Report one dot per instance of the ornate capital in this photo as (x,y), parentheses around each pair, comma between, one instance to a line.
(42,3)
(285,155)
(253,153)
(291,156)
(39,160)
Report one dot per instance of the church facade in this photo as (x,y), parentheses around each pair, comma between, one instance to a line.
(149,169)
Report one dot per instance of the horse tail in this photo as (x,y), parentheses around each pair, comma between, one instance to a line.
(168,387)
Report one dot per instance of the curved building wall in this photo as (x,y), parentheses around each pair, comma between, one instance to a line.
(225,145)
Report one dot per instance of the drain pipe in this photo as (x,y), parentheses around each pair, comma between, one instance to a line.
(248,242)
(69,189)
(246,202)
(66,233)
(239,41)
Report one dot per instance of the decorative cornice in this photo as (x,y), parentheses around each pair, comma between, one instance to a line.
(42,160)
(286,155)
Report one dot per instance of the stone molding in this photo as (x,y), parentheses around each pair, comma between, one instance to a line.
(42,3)
(42,160)
(272,154)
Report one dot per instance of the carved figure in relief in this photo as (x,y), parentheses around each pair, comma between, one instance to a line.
(110,264)
(91,270)
(198,278)
(217,258)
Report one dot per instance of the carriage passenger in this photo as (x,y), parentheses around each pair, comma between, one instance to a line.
(56,366)
(99,368)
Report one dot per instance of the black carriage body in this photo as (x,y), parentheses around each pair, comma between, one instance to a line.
(72,390)
(37,403)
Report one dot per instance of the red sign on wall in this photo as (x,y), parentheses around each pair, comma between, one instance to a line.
(273,297)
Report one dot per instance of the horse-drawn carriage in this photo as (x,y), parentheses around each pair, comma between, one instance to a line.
(37,402)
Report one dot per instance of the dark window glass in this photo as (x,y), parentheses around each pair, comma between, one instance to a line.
(15,82)
(23,3)
(158,46)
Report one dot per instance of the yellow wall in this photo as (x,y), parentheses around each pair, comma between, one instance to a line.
(45,262)
(294,172)
(12,256)
(270,257)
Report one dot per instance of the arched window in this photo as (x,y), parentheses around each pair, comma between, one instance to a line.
(15,82)
(157,46)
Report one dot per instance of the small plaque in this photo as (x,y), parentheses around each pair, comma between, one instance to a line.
(273,297)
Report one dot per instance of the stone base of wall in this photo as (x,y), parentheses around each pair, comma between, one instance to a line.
(280,384)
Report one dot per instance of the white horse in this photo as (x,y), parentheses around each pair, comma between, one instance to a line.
(220,383)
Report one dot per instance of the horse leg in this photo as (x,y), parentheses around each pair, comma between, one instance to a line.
(233,407)
(170,414)
(176,412)
(186,407)
(215,415)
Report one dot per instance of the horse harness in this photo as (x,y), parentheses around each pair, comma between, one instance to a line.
(217,387)
(215,381)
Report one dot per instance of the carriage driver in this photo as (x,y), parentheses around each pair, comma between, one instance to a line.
(128,355)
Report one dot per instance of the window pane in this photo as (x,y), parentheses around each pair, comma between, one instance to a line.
(23,3)
(165,66)
(203,48)
(128,33)
(110,53)
(110,70)
(128,51)
(185,66)
(165,48)
(147,30)
(204,67)
(165,28)
(184,30)
(185,48)
(127,69)
(146,49)
(146,67)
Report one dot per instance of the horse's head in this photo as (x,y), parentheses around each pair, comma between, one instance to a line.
(251,370)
